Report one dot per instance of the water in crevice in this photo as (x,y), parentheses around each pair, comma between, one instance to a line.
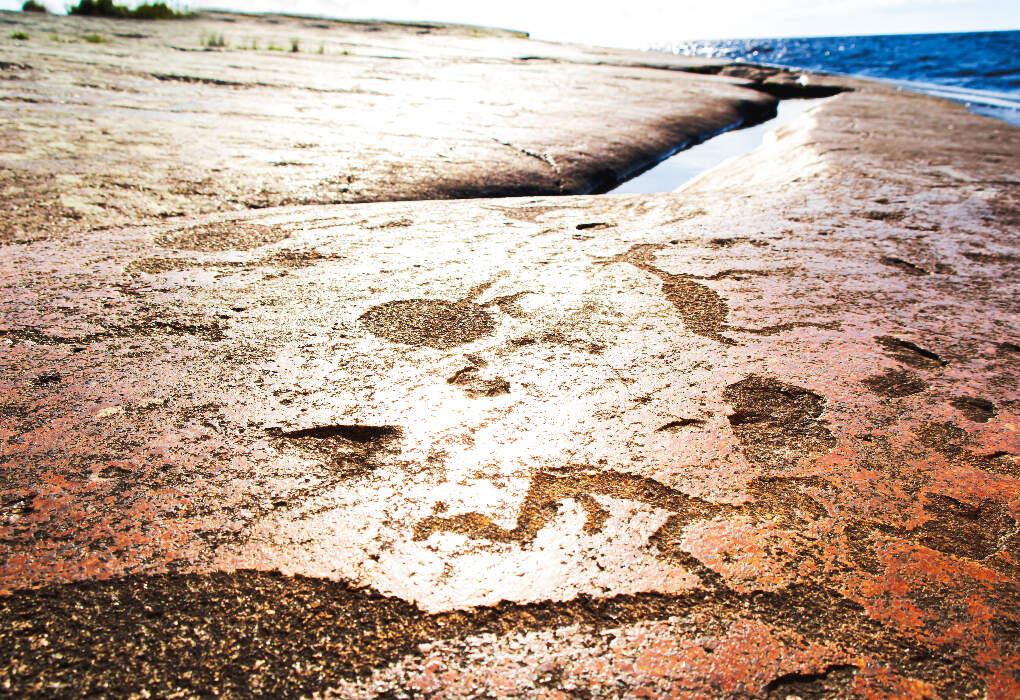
(674,172)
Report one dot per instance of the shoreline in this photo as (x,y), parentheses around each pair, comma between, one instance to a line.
(124,177)
(980,85)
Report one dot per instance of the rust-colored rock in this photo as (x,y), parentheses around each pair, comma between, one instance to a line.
(757,437)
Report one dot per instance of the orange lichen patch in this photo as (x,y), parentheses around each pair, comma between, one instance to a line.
(943,601)
(745,658)
(881,682)
(923,576)
(1003,685)
(752,556)
(657,659)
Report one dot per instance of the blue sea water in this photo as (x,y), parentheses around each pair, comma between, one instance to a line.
(981,69)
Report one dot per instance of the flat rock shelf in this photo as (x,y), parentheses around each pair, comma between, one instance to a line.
(267,430)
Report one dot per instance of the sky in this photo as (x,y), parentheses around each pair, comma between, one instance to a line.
(642,23)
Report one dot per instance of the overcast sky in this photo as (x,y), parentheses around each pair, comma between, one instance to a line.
(645,22)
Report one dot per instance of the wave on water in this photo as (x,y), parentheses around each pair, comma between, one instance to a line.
(980,69)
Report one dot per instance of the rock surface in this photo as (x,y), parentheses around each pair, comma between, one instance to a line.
(148,123)
(758,437)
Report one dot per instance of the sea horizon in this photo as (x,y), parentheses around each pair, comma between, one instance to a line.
(978,68)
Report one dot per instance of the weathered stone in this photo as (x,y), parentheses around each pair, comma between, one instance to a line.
(694,484)
(155,126)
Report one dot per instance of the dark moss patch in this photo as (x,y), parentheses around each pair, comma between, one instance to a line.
(973,408)
(470,379)
(251,633)
(946,438)
(884,215)
(46,378)
(777,422)
(347,451)
(993,258)
(220,236)
(896,383)
(950,441)
(433,323)
(963,529)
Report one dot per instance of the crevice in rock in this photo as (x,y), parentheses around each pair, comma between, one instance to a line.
(909,353)
(354,433)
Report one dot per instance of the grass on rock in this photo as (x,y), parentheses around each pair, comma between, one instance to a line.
(213,41)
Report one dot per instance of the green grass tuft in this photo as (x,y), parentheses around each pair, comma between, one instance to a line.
(20,36)
(94,38)
(213,40)
(108,8)
(295,45)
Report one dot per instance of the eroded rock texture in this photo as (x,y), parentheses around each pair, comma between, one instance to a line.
(758,437)
(154,124)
